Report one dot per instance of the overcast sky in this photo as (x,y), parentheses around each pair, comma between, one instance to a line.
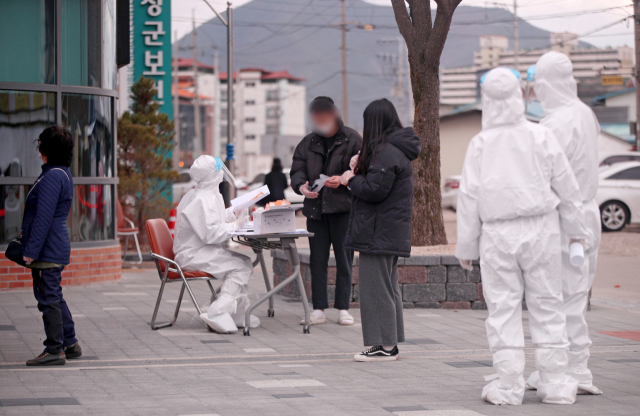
(536,10)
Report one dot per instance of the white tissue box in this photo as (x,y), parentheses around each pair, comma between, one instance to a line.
(281,219)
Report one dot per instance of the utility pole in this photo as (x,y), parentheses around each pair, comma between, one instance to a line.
(343,48)
(231,163)
(516,37)
(636,26)
(229,24)
(197,140)
(176,108)
(216,107)
(402,89)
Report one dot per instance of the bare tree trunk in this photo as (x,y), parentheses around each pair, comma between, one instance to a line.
(425,42)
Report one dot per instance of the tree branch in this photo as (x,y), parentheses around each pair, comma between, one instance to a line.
(441,26)
(404,21)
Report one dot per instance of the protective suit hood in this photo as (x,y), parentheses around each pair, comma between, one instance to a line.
(406,140)
(205,171)
(554,85)
(502,102)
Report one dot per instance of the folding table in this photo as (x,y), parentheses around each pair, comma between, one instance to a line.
(287,243)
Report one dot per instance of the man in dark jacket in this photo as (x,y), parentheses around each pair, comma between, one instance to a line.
(328,150)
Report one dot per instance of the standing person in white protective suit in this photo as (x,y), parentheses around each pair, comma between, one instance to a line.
(517,189)
(203,224)
(576,128)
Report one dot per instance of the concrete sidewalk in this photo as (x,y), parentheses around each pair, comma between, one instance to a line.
(128,369)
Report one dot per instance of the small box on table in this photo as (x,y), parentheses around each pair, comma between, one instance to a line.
(278,219)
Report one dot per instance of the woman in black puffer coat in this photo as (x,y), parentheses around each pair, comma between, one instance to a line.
(380,225)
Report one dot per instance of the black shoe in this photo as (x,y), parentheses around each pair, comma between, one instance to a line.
(72,351)
(378,354)
(48,359)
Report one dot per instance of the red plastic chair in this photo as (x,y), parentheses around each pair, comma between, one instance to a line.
(168,270)
(123,231)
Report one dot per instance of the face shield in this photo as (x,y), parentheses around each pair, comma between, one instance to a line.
(226,173)
(528,89)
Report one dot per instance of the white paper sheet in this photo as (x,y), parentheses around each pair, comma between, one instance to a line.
(250,198)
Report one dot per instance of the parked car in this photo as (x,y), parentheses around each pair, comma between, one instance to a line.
(613,158)
(183,185)
(450,192)
(619,195)
(258,181)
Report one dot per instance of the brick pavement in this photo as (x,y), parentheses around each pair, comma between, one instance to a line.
(128,369)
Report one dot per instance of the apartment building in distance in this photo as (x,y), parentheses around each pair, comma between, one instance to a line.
(269,115)
(460,86)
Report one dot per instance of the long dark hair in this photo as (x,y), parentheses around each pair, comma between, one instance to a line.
(380,120)
(277,165)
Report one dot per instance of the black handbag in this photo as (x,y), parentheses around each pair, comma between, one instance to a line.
(14,251)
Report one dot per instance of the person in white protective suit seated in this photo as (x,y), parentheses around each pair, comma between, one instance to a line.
(517,191)
(203,225)
(576,128)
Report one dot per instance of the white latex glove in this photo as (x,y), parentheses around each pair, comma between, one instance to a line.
(466,264)
(229,215)
(354,161)
(304,189)
(346,176)
(240,221)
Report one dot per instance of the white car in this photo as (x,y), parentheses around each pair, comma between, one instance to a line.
(183,185)
(619,195)
(258,181)
(613,158)
(450,192)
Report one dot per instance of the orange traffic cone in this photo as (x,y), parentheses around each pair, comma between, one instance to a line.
(172,222)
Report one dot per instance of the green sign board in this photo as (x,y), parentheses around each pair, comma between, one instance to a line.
(151,43)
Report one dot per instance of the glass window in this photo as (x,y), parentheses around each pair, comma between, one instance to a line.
(91,216)
(615,159)
(627,174)
(109,66)
(90,120)
(81,42)
(273,112)
(23,116)
(12,199)
(272,95)
(27,36)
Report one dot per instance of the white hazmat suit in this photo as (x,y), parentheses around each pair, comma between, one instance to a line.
(203,225)
(576,128)
(517,190)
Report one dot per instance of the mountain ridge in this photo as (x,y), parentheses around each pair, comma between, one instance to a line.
(303,37)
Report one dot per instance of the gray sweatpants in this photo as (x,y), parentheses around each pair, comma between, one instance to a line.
(380,300)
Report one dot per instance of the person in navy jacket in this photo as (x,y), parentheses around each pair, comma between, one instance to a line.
(46,247)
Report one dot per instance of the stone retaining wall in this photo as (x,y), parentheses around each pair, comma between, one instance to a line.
(88,266)
(425,281)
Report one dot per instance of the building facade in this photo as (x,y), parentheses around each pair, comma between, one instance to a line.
(269,113)
(460,86)
(208,96)
(58,66)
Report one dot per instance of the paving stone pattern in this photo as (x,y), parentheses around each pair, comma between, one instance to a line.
(129,369)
